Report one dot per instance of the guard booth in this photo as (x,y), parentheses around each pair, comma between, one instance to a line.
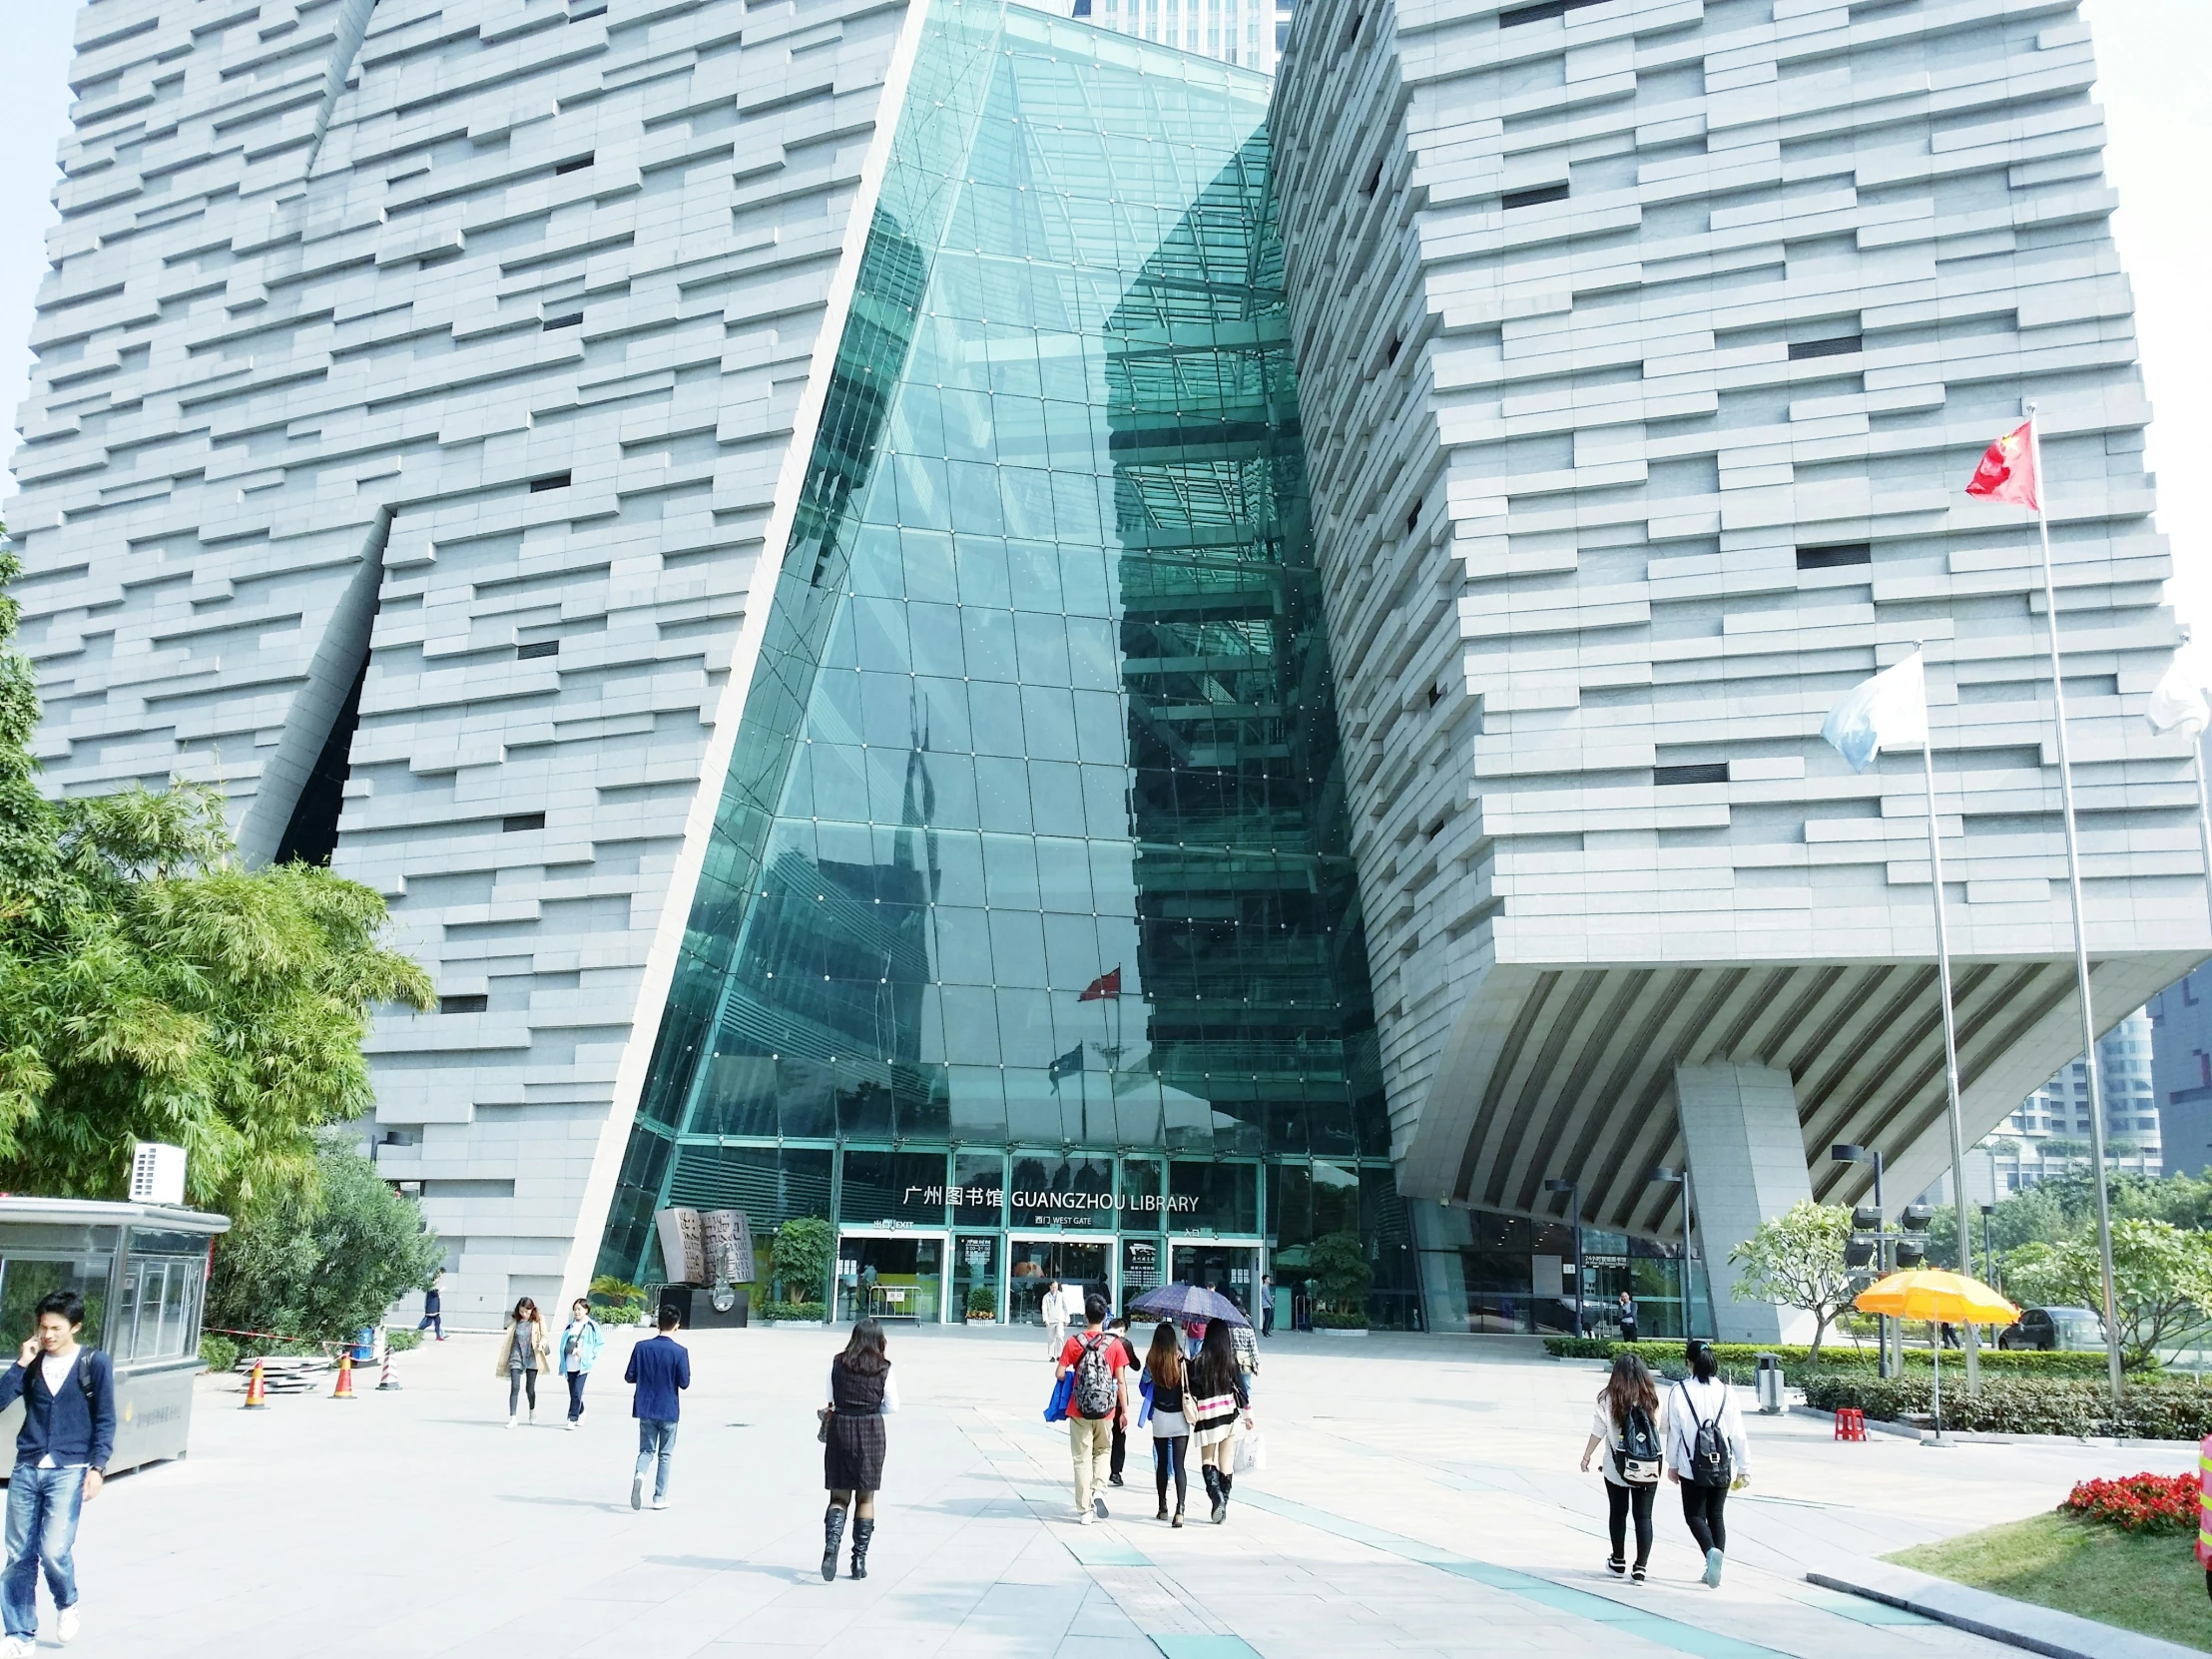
(143,1271)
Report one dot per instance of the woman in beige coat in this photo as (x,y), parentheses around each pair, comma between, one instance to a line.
(522,1353)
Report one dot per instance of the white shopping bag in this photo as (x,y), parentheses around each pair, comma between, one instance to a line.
(1251,1454)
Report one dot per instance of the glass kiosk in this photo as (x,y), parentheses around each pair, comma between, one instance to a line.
(143,1271)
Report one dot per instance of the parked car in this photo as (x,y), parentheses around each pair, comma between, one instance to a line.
(2070,1330)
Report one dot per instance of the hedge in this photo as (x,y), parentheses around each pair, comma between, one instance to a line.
(2150,1410)
(804,1311)
(1744,1356)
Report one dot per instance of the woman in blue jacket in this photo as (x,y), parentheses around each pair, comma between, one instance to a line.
(580,1345)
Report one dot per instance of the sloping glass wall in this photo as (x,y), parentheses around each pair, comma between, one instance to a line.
(1033,849)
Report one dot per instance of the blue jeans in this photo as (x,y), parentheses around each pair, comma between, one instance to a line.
(656,1443)
(43,1505)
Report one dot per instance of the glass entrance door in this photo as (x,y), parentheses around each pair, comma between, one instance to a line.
(1036,1261)
(890,1276)
(1230,1267)
(976,1295)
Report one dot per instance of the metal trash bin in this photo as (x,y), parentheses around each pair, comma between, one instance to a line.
(1770,1385)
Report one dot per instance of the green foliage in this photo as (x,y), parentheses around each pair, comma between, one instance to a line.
(1796,1261)
(617,1300)
(2161,1280)
(1324,1319)
(1797,1361)
(402,1338)
(151,988)
(326,1259)
(811,1313)
(218,1354)
(1342,1273)
(2159,1409)
(802,1248)
(983,1301)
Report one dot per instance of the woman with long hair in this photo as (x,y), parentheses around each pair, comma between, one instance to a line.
(859,1391)
(1168,1373)
(1626,1423)
(1219,1403)
(522,1353)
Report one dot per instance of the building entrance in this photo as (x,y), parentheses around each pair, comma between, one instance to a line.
(890,1276)
(1034,1262)
(1230,1266)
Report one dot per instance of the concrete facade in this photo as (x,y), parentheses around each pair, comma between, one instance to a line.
(1646,349)
(472,339)
(1747,1155)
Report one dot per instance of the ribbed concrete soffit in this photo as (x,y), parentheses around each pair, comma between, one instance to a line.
(1644,350)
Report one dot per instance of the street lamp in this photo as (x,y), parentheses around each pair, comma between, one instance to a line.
(1851,1152)
(1660,1175)
(1989,1256)
(1575,1204)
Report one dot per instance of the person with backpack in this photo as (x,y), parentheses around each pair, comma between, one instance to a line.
(1707,1455)
(1100,1392)
(1627,1424)
(61,1462)
(579,1350)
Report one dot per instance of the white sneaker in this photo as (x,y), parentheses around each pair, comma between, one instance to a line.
(660,1503)
(574,1423)
(636,1493)
(66,1626)
(16,1647)
(1086,1519)
(513,1422)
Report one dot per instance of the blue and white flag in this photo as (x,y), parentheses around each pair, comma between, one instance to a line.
(1888,712)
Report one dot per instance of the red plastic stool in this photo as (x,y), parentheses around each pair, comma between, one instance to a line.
(1850,1423)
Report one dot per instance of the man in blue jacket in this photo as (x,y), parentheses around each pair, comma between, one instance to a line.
(659,1366)
(61,1458)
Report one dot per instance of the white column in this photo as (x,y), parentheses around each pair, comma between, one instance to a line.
(1746,1165)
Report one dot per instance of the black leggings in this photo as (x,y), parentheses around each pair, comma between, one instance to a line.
(1166,1457)
(1618,1500)
(1701,1509)
(517,1380)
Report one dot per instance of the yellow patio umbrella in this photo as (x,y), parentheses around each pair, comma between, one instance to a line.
(1942,1297)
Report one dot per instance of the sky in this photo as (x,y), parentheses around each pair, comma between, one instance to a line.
(2152,57)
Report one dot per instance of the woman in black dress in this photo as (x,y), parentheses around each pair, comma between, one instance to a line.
(859,1391)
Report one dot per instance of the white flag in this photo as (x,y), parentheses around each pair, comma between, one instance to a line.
(1888,712)
(2178,703)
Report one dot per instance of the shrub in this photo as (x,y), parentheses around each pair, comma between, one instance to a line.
(217,1353)
(2139,1503)
(805,1310)
(1339,1263)
(617,1300)
(982,1301)
(801,1250)
(402,1338)
(1325,1320)
(1795,1361)
(2150,1410)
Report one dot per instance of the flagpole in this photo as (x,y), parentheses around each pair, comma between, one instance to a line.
(1950,1032)
(2080,921)
(2204,817)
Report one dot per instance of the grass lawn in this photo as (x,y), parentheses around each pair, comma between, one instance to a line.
(2149,1582)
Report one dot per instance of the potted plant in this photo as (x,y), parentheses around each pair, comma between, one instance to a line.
(982,1305)
(1339,1263)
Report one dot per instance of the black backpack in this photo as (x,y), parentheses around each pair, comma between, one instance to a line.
(1709,1458)
(1637,1454)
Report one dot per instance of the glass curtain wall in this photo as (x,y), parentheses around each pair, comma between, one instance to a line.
(1033,849)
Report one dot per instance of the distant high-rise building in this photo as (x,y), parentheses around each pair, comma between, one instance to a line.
(2049,1134)
(1248,33)
(2181,1072)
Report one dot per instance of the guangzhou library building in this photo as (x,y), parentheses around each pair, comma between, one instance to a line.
(1096,666)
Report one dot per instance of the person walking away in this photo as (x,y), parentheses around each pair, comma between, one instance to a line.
(1101,1390)
(1266,1304)
(1247,1353)
(1168,1372)
(1626,1423)
(1707,1455)
(61,1461)
(434,1309)
(1054,1308)
(1216,1407)
(860,1390)
(1625,1312)
(580,1345)
(1124,1420)
(659,1370)
(525,1351)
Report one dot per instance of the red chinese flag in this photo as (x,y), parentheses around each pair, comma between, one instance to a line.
(2007,469)
(1105,986)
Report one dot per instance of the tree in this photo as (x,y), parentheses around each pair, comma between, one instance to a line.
(2161,1281)
(1341,1272)
(326,1258)
(1796,1261)
(153,988)
(802,1257)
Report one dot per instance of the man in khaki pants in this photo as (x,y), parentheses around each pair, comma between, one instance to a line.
(1099,1360)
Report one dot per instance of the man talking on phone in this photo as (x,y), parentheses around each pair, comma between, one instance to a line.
(60,1458)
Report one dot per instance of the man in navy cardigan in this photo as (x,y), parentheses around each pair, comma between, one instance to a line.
(61,1458)
(659,1366)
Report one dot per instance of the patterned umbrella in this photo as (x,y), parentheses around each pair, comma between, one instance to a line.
(1187,1303)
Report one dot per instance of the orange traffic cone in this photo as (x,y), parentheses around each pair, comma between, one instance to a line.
(256,1395)
(345,1389)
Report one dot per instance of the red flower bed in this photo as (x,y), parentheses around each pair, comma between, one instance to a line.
(2139,1503)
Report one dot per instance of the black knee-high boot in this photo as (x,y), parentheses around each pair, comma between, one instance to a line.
(833,1534)
(1228,1485)
(864,1529)
(1212,1477)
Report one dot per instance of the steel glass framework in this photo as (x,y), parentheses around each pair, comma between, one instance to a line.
(1034,850)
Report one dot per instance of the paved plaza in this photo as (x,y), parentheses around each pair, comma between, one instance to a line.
(1421,1500)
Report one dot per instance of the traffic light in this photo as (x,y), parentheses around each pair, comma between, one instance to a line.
(1863,1248)
(1913,1248)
